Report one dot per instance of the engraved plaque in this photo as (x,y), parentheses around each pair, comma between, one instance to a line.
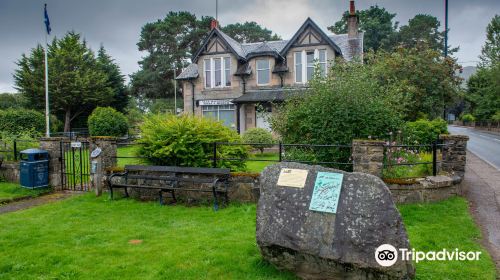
(295,178)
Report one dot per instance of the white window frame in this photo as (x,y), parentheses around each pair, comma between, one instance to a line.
(217,109)
(263,69)
(211,72)
(304,63)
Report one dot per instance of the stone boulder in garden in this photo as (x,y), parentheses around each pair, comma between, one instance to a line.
(324,244)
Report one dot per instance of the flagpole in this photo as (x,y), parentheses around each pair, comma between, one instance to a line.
(47,114)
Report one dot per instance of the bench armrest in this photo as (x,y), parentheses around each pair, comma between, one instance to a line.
(121,174)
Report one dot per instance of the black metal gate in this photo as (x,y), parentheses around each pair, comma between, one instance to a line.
(75,165)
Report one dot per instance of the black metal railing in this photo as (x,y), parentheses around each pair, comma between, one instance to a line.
(300,153)
(397,155)
(9,149)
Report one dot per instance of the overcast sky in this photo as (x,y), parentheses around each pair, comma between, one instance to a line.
(117,23)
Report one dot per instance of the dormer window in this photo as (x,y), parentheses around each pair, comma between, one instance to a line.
(263,72)
(217,72)
(306,63)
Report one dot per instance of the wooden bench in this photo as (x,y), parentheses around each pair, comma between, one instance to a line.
(169,179)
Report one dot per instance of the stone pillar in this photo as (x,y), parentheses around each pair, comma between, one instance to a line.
(368,156)
(454,154)
(53,146)
(105,160)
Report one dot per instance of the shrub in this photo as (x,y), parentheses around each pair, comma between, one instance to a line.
(344,106)
(188,141)
(496,117)
(468,118)
(18,121)
(258,135)
(424,131)
(106,121)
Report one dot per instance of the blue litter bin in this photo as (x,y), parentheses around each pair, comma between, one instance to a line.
(34,168)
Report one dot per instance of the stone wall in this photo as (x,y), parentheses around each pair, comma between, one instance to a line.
(9,171)
(454,154)
(53,146)
(429,189)
(368,156)
(243,188)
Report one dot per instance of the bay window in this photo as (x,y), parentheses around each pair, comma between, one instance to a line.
(217,72)
(263,71)
(306,63)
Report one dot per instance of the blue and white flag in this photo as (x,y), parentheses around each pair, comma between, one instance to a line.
(47,21)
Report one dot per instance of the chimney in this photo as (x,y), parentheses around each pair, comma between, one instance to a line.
(352,22)
(214,24)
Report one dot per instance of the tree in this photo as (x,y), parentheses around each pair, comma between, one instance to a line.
(376,22)
(249,32)
(422,28)
(427,81)
(490,54)
(11,100)
(115,79)
(483,92)
(76,84)
(169,44)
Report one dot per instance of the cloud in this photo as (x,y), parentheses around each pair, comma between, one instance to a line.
(117,23)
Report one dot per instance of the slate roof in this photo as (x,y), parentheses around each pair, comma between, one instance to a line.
(266,95)
(190,72)
(349,49)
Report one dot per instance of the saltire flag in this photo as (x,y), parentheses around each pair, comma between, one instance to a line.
(47,21)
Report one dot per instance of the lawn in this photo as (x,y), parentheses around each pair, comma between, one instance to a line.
(93,238)
(448,224)
(258,166)
(10,191)
(128,151)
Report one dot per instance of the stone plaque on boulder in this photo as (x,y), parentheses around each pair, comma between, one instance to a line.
(295,235)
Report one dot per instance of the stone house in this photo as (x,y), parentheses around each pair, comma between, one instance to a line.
(238,83)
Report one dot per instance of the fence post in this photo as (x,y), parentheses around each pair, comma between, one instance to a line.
(280,149)
(215,155)
(15,150)
(434,158)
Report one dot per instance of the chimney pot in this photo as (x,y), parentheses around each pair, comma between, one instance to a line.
(214,24)
(352,10)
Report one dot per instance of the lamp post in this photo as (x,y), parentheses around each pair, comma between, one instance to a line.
(445,46)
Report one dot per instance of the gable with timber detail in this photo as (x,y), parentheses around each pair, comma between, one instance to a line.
(215,46)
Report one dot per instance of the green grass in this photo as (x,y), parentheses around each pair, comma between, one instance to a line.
(258,166)
(10,191)
(88,238)
(447,224)
(128,151)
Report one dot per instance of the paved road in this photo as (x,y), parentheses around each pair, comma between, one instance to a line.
(485,145)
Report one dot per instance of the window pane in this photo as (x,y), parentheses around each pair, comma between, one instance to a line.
(227,69)
(227,116)
(298,67)
(310,58)
(262,64)
(207,74)
(217,70)
(322,68)
(322,56)
(263,77)
(310,72)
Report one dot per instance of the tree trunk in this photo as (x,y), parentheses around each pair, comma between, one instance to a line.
(67,120)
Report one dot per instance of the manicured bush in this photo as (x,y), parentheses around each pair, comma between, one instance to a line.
(188,141)
(18,121)
(424,131)
(466,118)
(259,135)
(106,121)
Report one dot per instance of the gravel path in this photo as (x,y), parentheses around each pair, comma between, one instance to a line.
(482,189)
(32,202)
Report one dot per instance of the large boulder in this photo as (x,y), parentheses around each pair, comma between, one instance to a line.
(321,245)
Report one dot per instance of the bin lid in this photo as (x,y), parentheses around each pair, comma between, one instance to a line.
(34,151)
